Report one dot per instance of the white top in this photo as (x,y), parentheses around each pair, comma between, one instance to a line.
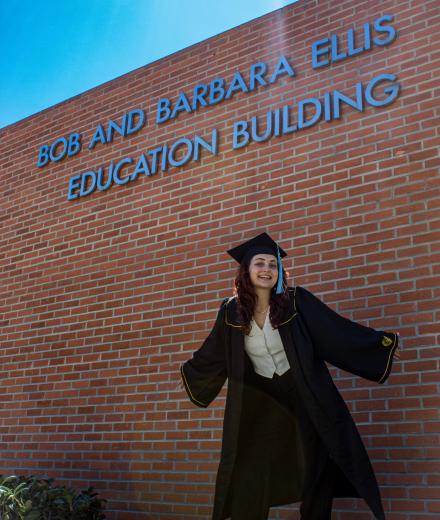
(266,350)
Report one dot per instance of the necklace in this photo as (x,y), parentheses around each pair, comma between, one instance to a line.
(262,312)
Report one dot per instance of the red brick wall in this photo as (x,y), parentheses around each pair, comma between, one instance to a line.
(102,298)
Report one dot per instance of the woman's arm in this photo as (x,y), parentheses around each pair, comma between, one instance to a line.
(204,375)
(346,344)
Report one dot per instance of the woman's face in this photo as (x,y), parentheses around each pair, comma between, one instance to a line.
(263,271)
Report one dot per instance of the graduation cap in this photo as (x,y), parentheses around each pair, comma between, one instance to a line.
(264,244)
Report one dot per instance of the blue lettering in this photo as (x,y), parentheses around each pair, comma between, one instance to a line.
(142,166)
(258,70)
(327,106)
(186,156)
(73,185)
(101,186)
(52,152)
(282,67)
(163,110)
(302,122)
(216,87)
(90,175)
(276,122)
(237,83)
(154,155)
(112,126)
(317,52)
(254,128)
(163,163)
(210,147)
(358,103)
(336,56)
(288,128)
(352,49)
(384,29)
(98,137)
(392,91)
(133,127)
(115,170)
(59,149)
(199,94)
(43,156)
(74,144)
(182,104)
(240,135)
(367,36)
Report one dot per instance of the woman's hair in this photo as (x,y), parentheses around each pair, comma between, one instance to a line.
(246,299)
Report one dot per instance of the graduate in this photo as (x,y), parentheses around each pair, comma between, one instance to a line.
(288,435)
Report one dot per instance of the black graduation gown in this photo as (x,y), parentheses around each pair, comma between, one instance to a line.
(311,333)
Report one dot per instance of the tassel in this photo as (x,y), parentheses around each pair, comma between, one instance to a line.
(280,273)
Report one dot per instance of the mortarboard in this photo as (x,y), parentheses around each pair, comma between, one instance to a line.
(262,243)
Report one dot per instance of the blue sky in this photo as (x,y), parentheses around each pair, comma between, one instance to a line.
(53,50)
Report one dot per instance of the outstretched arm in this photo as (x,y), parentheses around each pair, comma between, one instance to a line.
(346,344)
(204,375)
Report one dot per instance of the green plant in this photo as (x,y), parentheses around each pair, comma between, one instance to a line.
(31,498)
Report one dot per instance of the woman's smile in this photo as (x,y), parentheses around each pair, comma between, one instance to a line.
(265,277)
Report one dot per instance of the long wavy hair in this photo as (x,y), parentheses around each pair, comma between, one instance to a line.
(247,298)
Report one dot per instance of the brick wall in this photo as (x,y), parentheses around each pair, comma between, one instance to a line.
(103,297)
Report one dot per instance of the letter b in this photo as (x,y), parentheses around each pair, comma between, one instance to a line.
(74,144)
(240,136)
(43,156)
(163,110)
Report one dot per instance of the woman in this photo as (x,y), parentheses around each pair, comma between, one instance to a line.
(287,434)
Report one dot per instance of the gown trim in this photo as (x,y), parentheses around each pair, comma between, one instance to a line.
(390,357)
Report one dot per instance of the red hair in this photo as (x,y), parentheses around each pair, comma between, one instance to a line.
(247,298)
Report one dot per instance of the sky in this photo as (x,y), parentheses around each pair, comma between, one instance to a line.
(52,50)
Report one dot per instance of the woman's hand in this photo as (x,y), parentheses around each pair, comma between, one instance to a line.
(396,354)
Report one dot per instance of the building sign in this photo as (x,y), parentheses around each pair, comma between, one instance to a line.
(379,91)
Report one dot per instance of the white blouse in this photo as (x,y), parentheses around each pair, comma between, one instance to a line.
(266,350)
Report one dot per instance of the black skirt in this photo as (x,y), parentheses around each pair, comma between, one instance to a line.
(289,468)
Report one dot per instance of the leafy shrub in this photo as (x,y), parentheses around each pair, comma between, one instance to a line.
(31,498)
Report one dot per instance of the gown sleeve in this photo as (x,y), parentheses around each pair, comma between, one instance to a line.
(205,373)
(353,347)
